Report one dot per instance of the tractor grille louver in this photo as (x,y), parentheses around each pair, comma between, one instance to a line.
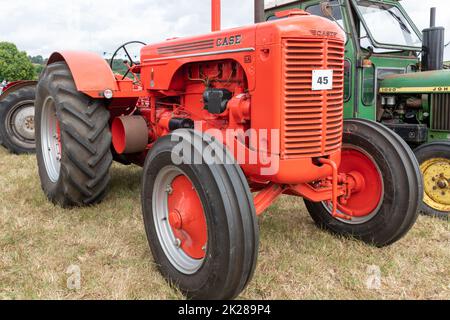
(311,120)
(440,110)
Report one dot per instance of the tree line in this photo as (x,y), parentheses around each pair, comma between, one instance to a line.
(17,65)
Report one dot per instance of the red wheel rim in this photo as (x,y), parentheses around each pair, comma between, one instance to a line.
(366,200)
(187,218)
(58,133)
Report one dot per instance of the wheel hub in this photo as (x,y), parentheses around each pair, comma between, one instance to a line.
(443,184)
(180,220)
(175,220)
(187,218)
(436,175)
(29,123)
(20,124)
(24,123)
(366,184)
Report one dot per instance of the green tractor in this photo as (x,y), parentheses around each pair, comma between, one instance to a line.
(394,74)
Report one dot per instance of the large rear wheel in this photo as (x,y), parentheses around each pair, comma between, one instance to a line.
(385,207)
(17,120)
(73,140)
(199,218)
(434,160)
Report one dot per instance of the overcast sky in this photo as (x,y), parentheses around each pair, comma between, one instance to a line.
(43,26)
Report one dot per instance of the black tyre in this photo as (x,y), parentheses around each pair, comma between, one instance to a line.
(434,161)
(386,207)
(17,120)
(73,140)
(214,255)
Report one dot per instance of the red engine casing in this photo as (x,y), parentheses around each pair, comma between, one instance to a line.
(275,61)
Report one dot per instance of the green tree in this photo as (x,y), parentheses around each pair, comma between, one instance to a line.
(38,69)
(37,59)
(14,64)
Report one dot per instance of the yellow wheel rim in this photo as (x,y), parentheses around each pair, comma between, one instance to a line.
(436,175)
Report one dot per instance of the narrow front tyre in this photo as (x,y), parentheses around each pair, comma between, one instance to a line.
(199,218)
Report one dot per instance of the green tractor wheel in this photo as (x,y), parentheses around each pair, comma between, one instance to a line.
(434,160)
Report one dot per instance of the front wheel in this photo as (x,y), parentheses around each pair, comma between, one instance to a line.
(434,160)
(199,218)
(385,207)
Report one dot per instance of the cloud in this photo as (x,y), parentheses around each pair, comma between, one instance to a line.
(41,27)
(420,14)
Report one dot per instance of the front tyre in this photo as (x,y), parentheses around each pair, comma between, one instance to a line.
(73,141)
(199,218)
(434,161)
(385,208)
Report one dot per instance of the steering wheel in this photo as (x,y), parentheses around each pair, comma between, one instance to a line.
(129,63)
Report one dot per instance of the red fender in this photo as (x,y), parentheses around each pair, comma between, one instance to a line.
(16,85)
(91,73)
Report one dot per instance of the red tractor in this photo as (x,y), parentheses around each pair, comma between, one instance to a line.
(17,116)
(223,124)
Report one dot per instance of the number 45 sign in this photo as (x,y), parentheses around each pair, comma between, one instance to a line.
(322,80)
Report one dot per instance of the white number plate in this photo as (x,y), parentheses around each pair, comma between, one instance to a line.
(322,80)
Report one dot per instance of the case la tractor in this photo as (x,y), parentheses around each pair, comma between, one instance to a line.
(17,116)
(394,75)
(202,193)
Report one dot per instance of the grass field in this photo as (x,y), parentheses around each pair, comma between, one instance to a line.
(38,243)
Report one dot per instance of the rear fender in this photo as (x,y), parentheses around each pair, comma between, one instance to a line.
(91,73)
(14,86)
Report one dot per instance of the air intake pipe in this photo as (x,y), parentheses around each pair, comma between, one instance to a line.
(433,45)
(216,13)
(259,11)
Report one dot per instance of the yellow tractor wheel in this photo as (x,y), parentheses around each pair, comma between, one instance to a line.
(434,160)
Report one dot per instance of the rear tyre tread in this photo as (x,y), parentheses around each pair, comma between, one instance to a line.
(86,141)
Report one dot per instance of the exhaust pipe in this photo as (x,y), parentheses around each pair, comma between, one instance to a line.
(215,15)
(433,45)
(433,17)
(259,11)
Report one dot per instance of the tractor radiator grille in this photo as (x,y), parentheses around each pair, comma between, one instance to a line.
(440,111)
(311,120)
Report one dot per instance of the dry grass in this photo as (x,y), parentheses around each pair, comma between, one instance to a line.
(39,241)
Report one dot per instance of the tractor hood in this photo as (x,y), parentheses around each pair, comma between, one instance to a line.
(419,82)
